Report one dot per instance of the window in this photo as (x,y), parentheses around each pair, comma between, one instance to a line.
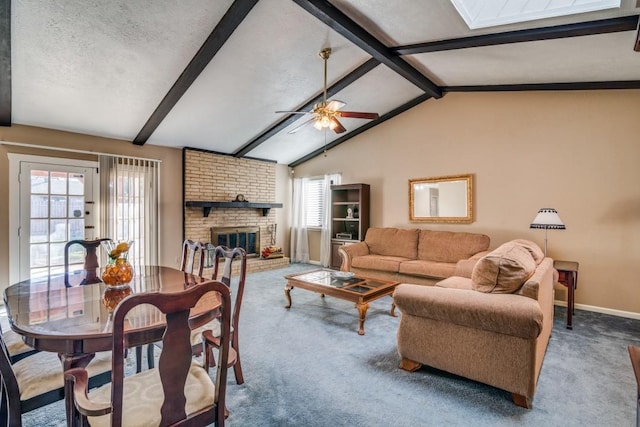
(314,202)
(500,12)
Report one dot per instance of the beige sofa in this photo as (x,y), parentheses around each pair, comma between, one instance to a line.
(492,327)
(413,255)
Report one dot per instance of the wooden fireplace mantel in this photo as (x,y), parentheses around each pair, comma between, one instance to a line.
(207,206)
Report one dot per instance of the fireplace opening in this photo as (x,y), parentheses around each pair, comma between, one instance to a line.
(245,237)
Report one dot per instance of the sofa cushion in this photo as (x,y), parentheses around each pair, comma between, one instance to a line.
(427,268)
(378,262)
(450,246)
(393,242)
(533,249)
(503,270)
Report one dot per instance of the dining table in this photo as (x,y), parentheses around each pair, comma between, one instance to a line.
(60,314)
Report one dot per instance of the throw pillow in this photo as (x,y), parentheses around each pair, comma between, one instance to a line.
(534,249)
(503,270)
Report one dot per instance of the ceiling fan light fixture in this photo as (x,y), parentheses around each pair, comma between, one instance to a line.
(325,113)
(323,122)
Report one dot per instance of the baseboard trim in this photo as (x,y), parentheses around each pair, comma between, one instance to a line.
(603,310)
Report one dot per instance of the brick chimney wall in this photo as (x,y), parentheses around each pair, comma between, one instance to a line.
(216,178)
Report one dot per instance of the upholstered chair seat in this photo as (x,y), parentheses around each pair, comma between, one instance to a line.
(42,372)
(142,395)
(15,346)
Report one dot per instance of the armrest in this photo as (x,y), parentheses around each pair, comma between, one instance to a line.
(85,406)
(464,267)
(348,252)
(210,341)
(507,314)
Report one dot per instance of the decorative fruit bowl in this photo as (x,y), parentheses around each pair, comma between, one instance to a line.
(119,271)
(117,274)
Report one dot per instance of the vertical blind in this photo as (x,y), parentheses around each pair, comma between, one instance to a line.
(129,205)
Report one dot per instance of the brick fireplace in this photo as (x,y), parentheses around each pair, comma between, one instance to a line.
(219,178)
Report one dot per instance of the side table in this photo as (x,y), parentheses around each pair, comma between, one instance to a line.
(568,276)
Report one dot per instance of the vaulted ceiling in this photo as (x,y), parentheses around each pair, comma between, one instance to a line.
(211,74)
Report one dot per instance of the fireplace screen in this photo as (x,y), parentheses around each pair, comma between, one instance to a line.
(247,238)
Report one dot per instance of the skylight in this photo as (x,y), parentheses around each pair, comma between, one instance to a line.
(489,13)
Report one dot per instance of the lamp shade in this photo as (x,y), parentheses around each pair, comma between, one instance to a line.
(547,218)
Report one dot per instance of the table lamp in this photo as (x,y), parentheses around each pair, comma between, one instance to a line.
(547,218)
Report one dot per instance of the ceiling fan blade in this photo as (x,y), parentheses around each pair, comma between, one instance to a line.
(335,105)
(358,115)
(297,128)
(336,126)
(293,112)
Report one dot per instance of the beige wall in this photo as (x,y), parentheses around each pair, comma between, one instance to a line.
(170,181)
(578,152)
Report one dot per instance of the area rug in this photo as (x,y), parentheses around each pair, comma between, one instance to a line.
(307,366)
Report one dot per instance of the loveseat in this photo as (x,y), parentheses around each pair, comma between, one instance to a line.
(417,256)
(492,327)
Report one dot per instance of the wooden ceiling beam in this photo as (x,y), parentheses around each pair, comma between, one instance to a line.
(5,62)
(358,131)
(291,118)
(353,32)
(237,12)
(625,23)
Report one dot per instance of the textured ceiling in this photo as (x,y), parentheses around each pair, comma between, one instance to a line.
(104,68)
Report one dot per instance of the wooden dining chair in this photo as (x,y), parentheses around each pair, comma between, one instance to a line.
(192,257)
(192,262)
(90,260)
(16,348)
(179,390)
(38,380)
(223,253)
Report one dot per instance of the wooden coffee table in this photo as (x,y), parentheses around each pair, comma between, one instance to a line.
(358,289)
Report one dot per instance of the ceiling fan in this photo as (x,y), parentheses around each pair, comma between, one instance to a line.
(326,113)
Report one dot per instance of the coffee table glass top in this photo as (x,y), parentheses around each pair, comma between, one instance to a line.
(324,278)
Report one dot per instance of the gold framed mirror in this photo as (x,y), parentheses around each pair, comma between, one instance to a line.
(444,199)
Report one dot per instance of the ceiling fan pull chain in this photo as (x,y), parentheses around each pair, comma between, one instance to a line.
(325,142)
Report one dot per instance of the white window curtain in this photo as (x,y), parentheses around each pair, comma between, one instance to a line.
(299,239)
(325,235)
(129,189)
